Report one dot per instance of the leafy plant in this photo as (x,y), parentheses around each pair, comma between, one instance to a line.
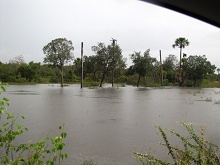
(47,151)
(195,149)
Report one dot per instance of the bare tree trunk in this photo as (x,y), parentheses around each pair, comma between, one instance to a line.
(61,71)
(103,77)
(180,57)
(94,75)
(138,80)
(113,77)
(180,73)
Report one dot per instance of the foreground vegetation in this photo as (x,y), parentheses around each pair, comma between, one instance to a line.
(46,151)
(194,148)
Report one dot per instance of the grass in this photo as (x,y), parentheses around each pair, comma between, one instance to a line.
(90,84)
(210,84)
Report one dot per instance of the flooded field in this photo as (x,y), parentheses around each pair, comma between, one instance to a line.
(107,125)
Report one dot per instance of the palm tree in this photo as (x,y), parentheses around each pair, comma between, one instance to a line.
(218,70)
(181,42)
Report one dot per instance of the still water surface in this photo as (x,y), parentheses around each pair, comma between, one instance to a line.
(107,125)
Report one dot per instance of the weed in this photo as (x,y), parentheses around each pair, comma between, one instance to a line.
(208,99)
(88,162)
(195,150)
(217,102)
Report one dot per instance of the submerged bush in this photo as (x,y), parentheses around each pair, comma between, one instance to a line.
(195,149)
(90,84)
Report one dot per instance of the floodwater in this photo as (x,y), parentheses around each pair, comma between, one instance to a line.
(107,125)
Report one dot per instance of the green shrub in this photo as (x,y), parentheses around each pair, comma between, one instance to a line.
(195,149)
(90,84)
(121,79)
(132,80)
(46,151)
(166,82)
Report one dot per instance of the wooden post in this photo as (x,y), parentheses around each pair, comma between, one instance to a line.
(82,64)
(113,43)
(161,69)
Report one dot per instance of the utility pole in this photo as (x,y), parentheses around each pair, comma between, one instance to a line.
(82,60)
(161,70)
(113,43)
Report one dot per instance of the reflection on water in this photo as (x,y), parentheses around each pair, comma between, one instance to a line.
(107,124)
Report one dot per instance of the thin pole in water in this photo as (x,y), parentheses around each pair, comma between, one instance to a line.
(82,64)
(161,69)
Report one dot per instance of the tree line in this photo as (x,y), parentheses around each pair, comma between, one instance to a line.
(107,65)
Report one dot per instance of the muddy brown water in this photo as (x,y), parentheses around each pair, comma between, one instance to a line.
(107,125)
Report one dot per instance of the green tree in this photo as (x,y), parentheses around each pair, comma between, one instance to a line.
(218,70)
(6,74)
(143,64)
(197,68)
(77,64)
(90,66)
(24,72)
(109,58)
(49,74)
(11,73)
(116,62)
(181,43)
(170,68)
(30,72)
(35,71)
(58,53)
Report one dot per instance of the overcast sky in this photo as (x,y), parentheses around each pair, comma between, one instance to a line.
(26,26)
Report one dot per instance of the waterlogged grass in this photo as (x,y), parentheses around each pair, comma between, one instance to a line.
(210,84)
(208,99)
(217,102)
(88,162)
(91,84)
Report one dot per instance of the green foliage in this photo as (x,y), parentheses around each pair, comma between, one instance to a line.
(194,148)
(206,83)
(90,83)
(109,61)
(107,65)
(47,151)
(28,72)
(58,53)
(121,79)
(181,43)
(170,69)
(143,64)
(132,80)
(197,68)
